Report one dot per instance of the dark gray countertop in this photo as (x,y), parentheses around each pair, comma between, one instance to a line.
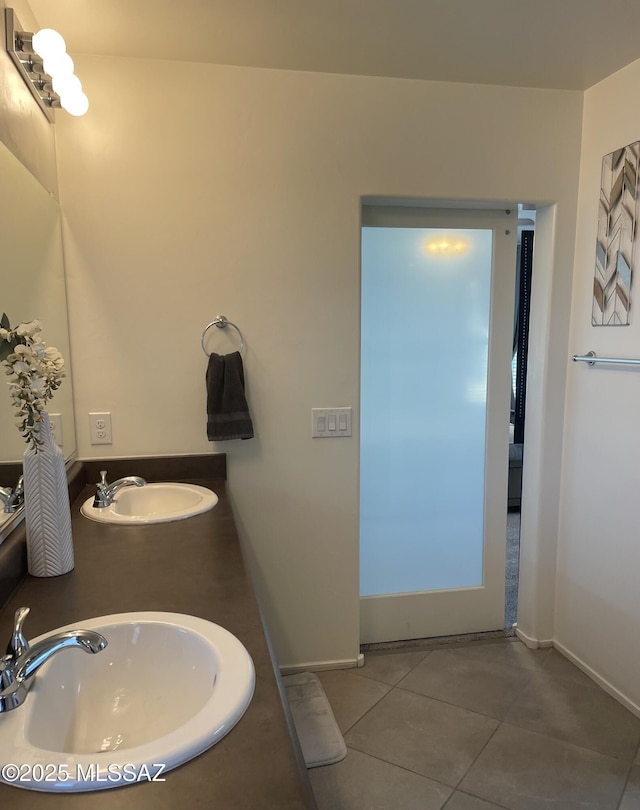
(196,567)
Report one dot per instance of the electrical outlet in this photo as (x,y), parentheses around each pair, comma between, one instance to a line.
(100,428)
(55,420)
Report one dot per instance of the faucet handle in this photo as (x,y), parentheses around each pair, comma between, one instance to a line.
(101,499)
(18,644)
(13,499)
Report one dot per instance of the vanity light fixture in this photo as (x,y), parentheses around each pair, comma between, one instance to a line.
(44,64)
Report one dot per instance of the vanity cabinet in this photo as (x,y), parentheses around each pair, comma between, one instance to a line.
(193,566)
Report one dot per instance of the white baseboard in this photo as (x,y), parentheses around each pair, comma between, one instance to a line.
(319,666)
(615,693)
(532,643)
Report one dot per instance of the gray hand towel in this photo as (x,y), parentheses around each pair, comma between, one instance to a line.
(227,409)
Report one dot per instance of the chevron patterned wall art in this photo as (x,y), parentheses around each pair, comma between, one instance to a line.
(616,241)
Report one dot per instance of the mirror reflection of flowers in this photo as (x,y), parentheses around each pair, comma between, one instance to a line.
(35,371)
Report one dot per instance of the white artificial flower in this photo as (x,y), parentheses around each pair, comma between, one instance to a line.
(38,386)
(36,371)
(29,329)
(52,354)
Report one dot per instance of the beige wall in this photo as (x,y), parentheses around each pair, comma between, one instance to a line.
(597,608)
(194,190)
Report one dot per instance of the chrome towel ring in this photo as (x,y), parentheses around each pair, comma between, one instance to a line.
(221,322)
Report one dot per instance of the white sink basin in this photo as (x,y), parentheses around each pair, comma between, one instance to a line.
(167,687)
(153,503)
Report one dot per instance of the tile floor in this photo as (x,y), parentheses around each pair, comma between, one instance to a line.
(479,726)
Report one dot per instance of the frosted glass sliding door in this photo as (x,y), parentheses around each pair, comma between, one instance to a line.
(425,325)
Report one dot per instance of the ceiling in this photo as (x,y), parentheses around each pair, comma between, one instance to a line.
(570,44)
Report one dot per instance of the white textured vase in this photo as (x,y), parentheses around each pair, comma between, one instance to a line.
(47,510)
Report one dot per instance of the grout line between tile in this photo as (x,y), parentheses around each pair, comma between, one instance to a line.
(475,759)
(446,703)
(382,697)
(624,788)
(402,768)
(474,796)
(392,685)
(567,742)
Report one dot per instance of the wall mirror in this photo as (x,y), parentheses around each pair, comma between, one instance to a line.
(32,287)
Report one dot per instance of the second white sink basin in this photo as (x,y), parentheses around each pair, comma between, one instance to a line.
(153,503)
(166,687)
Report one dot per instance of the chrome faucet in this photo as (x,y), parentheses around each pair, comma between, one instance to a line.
(12,499)
(22,660)
(105,492)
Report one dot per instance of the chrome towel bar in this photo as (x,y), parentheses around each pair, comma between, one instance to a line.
(592,358)
(221,322)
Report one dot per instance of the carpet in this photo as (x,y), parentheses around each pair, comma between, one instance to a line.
(512,569)
(319,735)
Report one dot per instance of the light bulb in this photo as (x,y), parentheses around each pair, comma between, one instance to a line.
(66,84)
(48,42)
(75,103)
(58,64)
